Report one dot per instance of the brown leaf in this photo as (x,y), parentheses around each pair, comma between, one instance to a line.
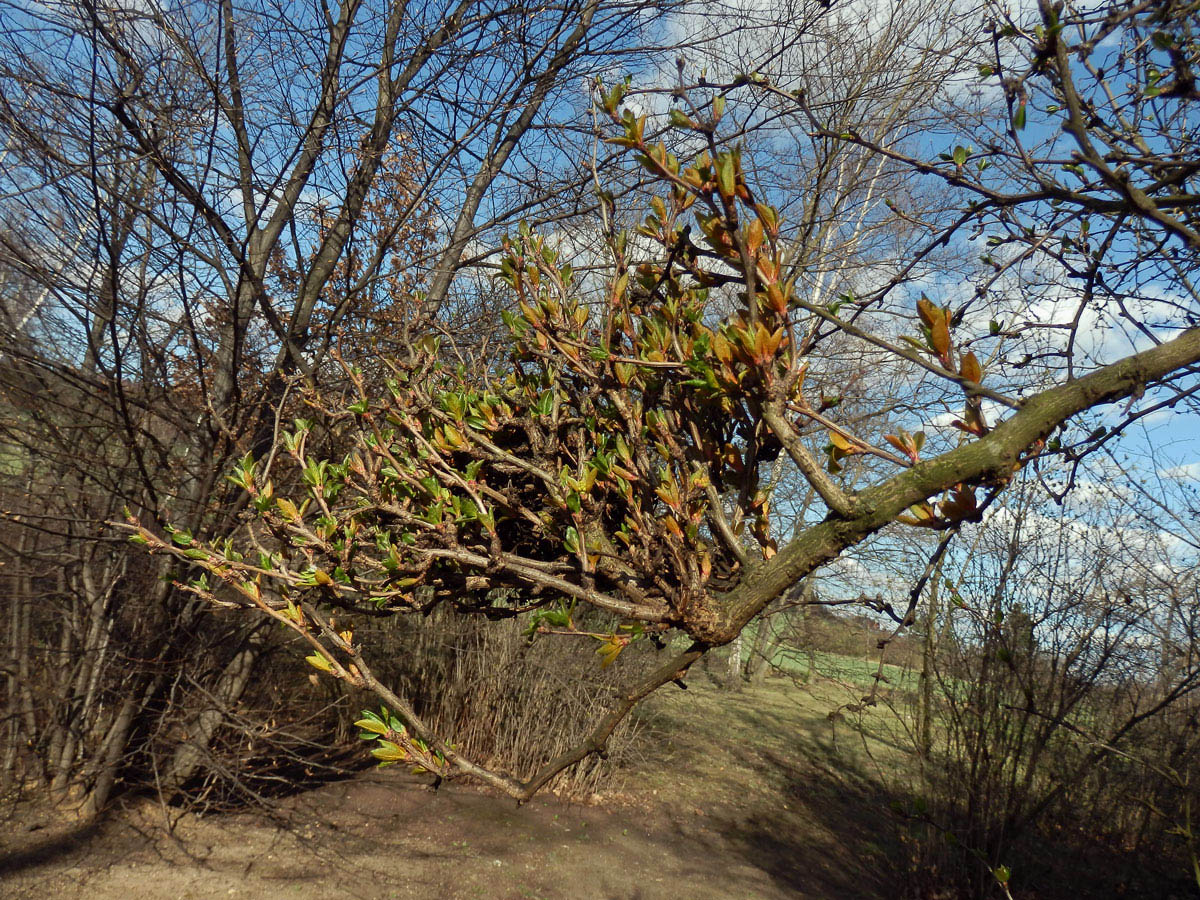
(927,312)
(970,369)
(939,335)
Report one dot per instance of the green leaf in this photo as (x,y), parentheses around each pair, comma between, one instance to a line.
(680,119)
(288,508)
(725,174)
(319,661)
(388,753)
(373,724)
(429,344)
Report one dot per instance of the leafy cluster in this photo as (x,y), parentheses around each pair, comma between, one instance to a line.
(615,456)
(619,456)
(393,744)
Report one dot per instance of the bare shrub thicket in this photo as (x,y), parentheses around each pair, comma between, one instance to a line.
(198,200)
(1062,732)
(506,699)
(622,456)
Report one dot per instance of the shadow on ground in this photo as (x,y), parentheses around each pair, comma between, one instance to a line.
(826,838)
(32,845)
(385,836)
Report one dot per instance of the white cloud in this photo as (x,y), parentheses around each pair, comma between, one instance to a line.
(1185,472)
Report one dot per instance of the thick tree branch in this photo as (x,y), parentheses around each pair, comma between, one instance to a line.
(993,457)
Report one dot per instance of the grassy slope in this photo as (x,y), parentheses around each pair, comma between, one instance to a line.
(788,772)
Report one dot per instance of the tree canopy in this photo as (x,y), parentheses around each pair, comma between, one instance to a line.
(610,471)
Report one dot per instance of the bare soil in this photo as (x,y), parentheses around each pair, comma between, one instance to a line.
(732,819)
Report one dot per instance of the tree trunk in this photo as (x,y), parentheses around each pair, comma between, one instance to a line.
(734,674)
(107,762)
(190,754)
(766,643)
(80,697)
(928,662)
(19,706)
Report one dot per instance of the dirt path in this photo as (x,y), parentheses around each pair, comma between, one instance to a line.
(757,824)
